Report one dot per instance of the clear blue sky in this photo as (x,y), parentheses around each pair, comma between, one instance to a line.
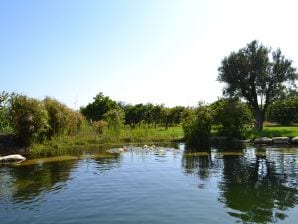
(159,51)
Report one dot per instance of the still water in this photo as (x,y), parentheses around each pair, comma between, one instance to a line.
(154,186)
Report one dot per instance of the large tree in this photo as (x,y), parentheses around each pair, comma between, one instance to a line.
(257,74)
(101,104)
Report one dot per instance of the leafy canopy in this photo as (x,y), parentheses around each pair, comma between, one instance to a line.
(101,104)
(258,75)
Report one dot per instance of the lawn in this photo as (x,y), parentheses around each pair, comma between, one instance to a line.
(274,131)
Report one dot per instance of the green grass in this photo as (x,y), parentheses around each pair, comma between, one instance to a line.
(273,131)
(88,139)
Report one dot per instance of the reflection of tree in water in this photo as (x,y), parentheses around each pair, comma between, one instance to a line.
(31,181)
(201,164)
(259,189)
(197,164)
(256,189)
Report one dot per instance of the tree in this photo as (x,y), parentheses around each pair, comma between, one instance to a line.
(101,105)
(258,75)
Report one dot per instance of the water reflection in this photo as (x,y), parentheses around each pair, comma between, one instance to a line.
(28,182)
(104,164)
(256,186)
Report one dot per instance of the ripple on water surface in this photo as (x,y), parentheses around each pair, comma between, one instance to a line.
(161,185)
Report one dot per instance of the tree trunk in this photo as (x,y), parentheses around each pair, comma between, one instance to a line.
(259,120)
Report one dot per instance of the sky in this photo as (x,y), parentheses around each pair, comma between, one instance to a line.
(134,51)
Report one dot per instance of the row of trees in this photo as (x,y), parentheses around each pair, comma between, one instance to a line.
(133,115)
(34,120)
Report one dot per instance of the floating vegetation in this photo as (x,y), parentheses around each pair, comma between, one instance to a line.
(46,160)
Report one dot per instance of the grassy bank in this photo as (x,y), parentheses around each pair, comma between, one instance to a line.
(273,131)
(88,139)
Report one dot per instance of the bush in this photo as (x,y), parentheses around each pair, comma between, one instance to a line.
(231,116)
(62,120)
(114,119)
(197,128)
(5,124)
(29,118)
(99,126)
(284,111)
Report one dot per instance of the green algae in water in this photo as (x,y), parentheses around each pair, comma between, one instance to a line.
(46,160)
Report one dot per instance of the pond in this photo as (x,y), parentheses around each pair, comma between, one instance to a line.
(163,185)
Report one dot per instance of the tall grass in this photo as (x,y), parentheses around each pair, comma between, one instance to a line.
(89,139)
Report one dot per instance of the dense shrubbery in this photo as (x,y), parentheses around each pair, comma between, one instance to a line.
(114,119)
(197,128)
(33,120)
(284,111)
(62,120)
(231,117)
(5,124)
(29,118)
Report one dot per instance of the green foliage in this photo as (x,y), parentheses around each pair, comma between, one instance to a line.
(115,120)
(102,104)
(231,116)
(29,118)
(99,126)
(152,115)
(257,76)
(62,120)
(197,128)
(5,124)
(172,116)
(284,111)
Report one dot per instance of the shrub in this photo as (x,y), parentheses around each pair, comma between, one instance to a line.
(284,111)
(231,116)
(197,128)
(62,120)
(114,119)
(5,124)
(29,118)
(99,126)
